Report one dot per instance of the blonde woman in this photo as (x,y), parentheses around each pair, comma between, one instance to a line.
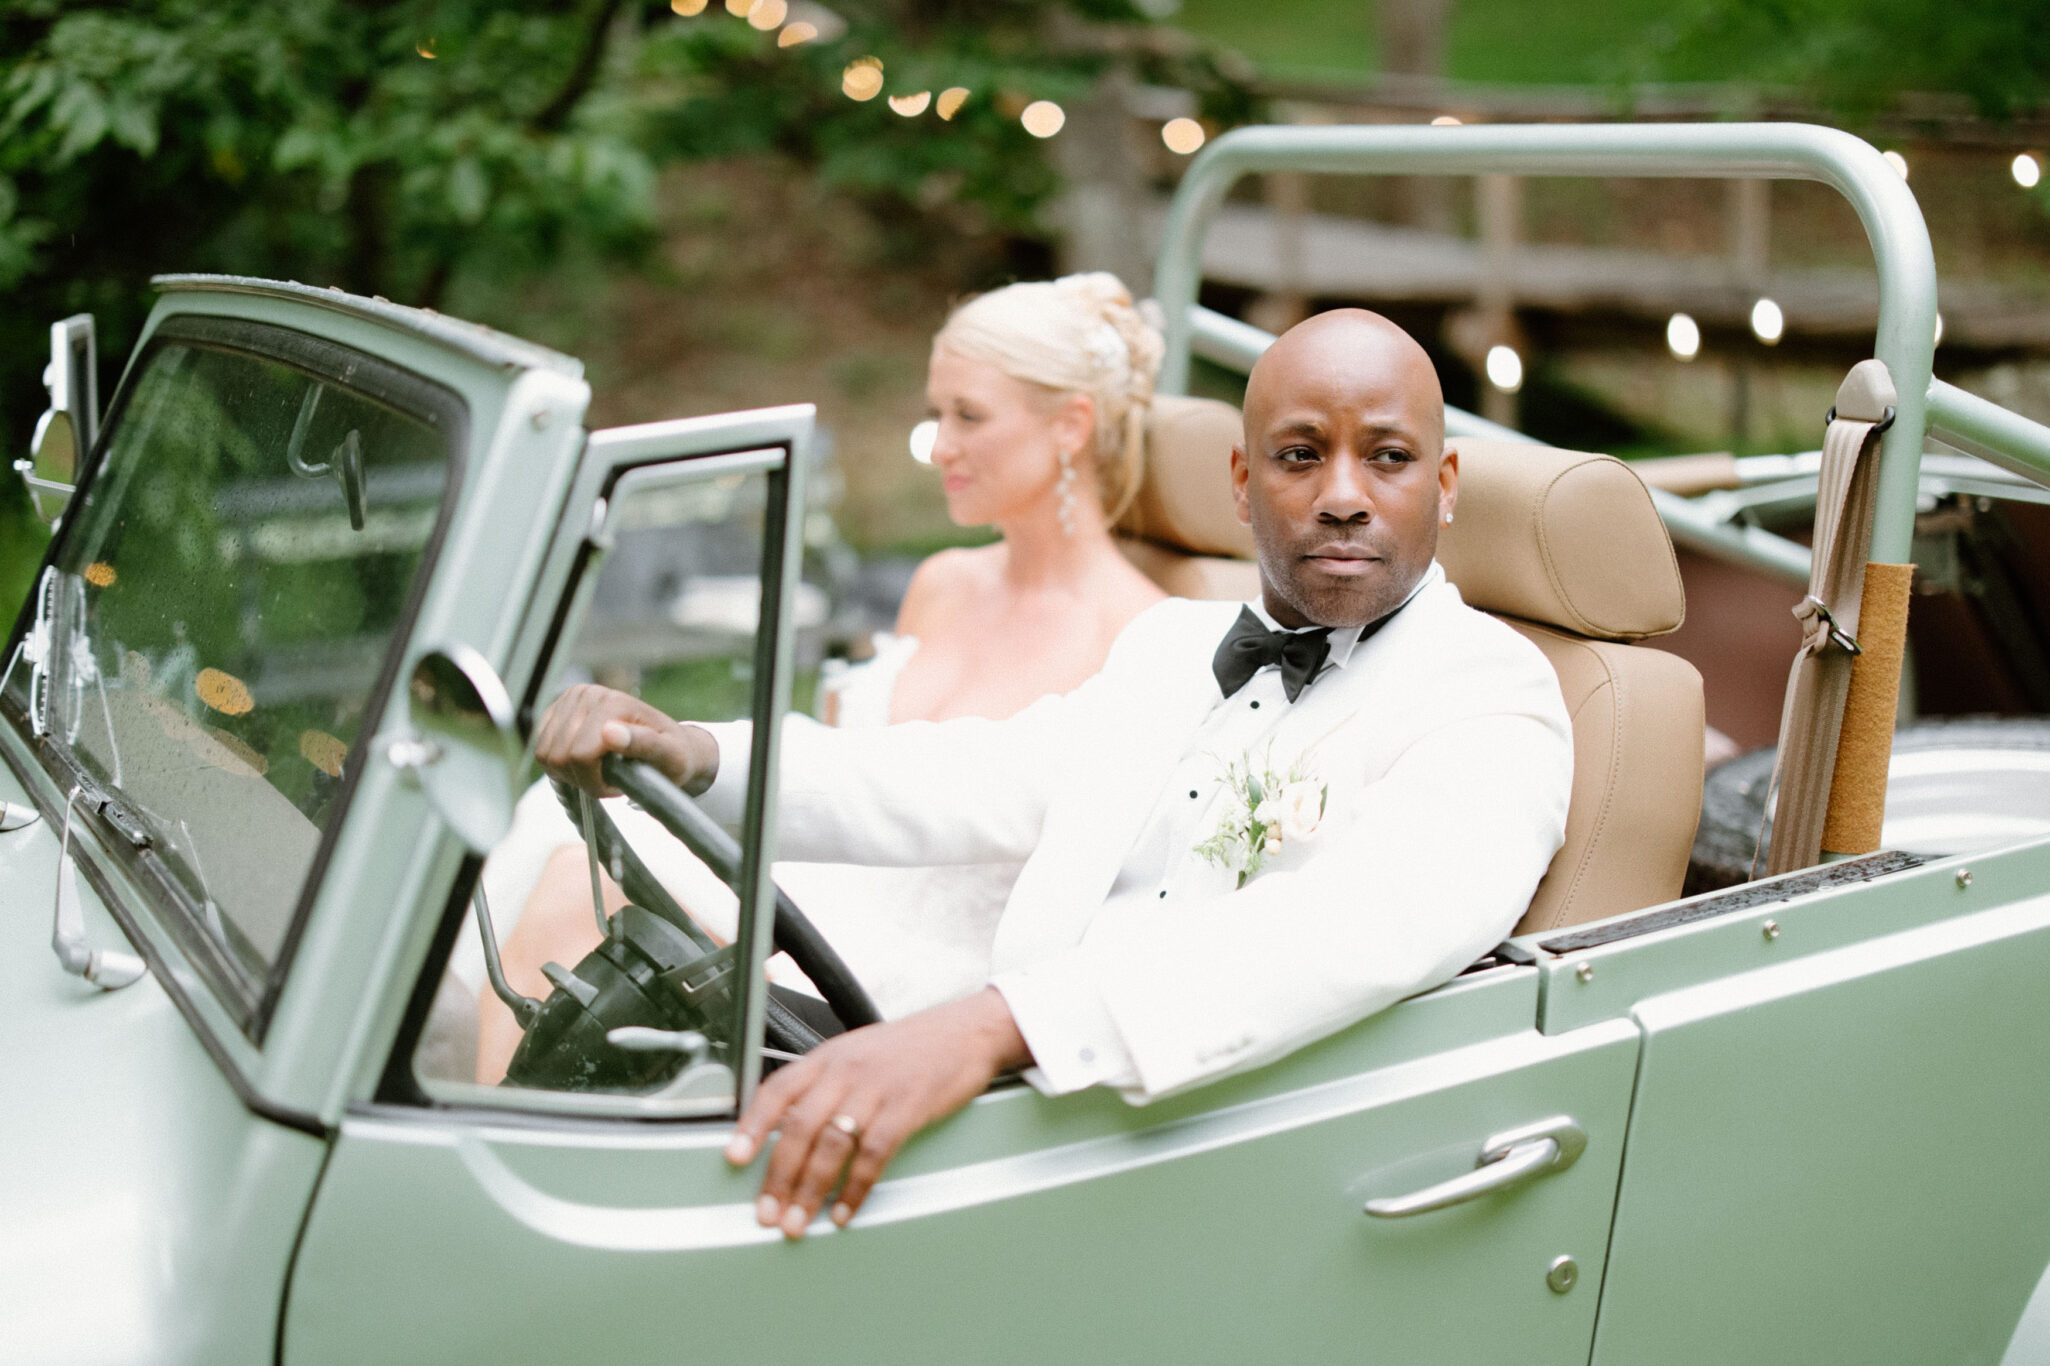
(1038,396)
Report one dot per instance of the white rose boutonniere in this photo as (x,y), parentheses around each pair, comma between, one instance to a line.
(1268,813)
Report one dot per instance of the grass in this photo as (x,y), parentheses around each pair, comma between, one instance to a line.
(1573,42)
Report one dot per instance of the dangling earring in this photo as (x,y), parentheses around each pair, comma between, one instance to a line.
(1065,487)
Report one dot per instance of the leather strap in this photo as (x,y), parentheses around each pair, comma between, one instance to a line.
(1820,678)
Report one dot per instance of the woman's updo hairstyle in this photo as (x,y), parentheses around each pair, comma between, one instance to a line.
(1079,334)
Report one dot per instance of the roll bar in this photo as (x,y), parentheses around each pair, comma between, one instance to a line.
(1906,339)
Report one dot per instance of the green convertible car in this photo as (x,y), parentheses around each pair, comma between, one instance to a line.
(324,558)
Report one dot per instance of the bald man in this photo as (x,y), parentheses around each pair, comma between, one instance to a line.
(1418,751)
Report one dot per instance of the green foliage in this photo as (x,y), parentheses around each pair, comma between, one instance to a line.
(1859,56)
(318,140)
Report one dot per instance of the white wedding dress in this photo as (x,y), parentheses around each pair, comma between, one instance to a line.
(914,937)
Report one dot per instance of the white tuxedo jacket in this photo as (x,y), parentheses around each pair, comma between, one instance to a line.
(1448,757)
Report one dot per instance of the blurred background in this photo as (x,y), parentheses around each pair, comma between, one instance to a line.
(720,204)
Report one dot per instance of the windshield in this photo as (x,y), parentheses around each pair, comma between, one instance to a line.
(220,610)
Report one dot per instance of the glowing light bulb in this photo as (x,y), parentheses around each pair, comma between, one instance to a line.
(1043,118)
(1505,368)
(768,14)
(2026,170)
(793,34)
(922,438)
(911,106)
(863,78)
(950,101)
(687,8)
(1768,323)
(1683,336)
(1898,162)
(1182,136)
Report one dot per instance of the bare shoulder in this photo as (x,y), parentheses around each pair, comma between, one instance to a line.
(944,585)
(1122,593)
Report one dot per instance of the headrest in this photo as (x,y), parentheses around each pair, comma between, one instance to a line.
(1562,538)
(1184,498)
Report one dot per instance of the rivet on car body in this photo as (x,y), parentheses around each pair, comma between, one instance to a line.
(1771,928)
(1562,1274)
(1585,972)
(1964,878)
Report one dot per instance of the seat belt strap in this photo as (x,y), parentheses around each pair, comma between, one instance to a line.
(1820,678)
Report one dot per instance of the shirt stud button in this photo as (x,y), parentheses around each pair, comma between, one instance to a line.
(1192,794)
(1256,705)
(1163,893)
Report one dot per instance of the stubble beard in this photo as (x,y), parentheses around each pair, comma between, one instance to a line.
(1286,575)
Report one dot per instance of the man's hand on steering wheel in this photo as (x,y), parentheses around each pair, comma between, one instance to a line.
(847,1106)
(588,722)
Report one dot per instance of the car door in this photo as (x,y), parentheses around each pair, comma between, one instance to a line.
(471,1223)
(1835,1151)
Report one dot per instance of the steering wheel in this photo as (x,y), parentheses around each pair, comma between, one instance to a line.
(658,968)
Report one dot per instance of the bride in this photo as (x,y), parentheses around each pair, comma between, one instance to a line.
(1038,396)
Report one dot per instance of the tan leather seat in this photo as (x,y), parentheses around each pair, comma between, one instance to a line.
(1565,547)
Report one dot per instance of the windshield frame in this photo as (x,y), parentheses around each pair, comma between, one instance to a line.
(248,1000)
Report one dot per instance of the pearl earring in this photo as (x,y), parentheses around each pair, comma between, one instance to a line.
(1448,519)
(1065,487)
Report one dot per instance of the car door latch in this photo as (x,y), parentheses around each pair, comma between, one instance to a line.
(1508,1159)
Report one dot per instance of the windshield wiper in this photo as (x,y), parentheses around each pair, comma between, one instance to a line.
(60,657)
(107,969)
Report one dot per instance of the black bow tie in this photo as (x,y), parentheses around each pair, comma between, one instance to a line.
(1249,647)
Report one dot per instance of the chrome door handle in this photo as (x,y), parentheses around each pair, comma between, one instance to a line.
(1508,1159)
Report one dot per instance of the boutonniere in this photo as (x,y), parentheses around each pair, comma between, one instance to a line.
(1267,813)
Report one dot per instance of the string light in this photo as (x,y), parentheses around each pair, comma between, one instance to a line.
(1683,336)
(911,106)
(1939,329)
(1898,162)
(768,14)
(739,8)
(425,47)
(2026,171)
(1505,368)
(951,99)
(1043,118)
(687,8)
(863,78)
(1768,324)
(794,34)
(1445,121)
(1182,136)
(923,436)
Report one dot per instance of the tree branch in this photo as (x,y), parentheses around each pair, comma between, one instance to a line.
(553,115)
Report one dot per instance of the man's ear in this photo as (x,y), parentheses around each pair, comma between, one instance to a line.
(1448,482)
(1241,472)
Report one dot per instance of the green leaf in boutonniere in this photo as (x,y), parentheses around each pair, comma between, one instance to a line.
(1266,814)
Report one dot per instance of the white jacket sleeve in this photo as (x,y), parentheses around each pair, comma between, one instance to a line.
(1435,864)
(928,792)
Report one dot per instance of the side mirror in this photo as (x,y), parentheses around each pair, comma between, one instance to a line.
(466,752)
(51,471)
(67,430)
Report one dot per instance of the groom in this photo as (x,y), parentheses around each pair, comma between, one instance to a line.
(1414,756)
